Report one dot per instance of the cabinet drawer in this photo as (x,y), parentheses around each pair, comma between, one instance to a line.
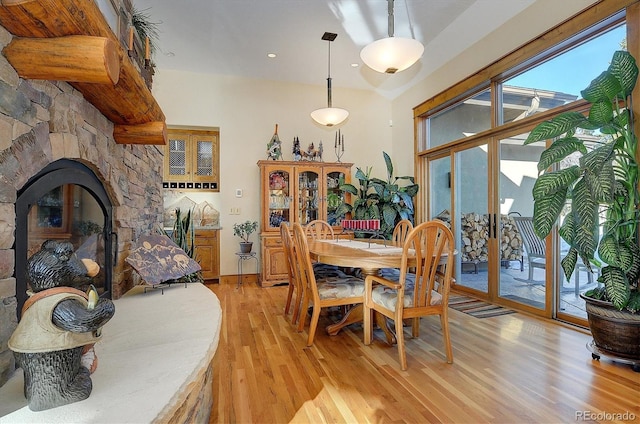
(272,242)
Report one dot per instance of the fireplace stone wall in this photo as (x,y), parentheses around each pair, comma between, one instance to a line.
(41,122)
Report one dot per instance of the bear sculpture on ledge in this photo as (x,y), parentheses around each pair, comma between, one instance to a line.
(53,342)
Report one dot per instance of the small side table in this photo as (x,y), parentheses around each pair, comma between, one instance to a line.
(246,257)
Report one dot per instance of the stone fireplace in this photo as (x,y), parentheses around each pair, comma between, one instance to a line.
(42,123)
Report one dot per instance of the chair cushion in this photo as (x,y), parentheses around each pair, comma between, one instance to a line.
(393,274)
(321,270)
(336,287)
(387,297)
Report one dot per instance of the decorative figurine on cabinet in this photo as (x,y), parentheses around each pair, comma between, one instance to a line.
(274,147)
(297,155)
(312,154)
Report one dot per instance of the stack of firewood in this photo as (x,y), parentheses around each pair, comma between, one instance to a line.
(510,240)
(474,230)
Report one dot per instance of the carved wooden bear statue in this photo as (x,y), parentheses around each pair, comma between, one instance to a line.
(59,323)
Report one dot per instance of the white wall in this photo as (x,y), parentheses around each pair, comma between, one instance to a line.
(246,111)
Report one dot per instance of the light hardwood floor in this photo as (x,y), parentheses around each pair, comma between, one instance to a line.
(507,369)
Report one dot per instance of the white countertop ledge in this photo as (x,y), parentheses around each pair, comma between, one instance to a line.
(152,349)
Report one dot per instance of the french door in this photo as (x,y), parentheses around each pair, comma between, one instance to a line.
(483,189)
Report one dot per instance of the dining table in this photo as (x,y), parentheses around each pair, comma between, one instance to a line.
(370,256)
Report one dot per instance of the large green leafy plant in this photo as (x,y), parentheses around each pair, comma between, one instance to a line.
(601,191)
(389,201)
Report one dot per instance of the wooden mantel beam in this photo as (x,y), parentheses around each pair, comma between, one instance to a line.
(76,58)
(129,101)
(149,133)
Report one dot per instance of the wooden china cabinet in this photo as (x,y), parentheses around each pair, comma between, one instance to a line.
(296,192)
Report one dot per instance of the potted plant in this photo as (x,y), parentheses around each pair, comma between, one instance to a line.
(601,199)
(387,200)
(244,230)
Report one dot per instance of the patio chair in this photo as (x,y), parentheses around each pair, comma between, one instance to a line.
(325,292)
(536,250)
(534,247)
(432,245)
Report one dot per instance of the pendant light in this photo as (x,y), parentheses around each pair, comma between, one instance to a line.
(392,54)
(329,116)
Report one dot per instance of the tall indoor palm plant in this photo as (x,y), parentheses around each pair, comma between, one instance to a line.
(601,191)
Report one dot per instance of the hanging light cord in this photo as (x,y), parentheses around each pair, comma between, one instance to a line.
(329,77)
(406,6)
(390,23)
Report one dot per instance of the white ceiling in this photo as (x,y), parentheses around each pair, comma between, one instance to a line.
(233,37)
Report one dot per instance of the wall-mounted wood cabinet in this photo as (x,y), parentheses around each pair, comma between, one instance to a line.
(192,160)
(296,192)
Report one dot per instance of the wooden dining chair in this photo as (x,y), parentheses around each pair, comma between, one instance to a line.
(319,229)
(321,293)
(432,245)
(400,233)
(294,280)
(322,230)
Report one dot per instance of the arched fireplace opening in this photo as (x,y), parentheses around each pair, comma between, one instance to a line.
(65,201)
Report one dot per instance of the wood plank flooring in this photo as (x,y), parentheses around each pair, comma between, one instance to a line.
(507,369)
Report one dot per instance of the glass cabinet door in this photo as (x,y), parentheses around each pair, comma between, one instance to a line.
(205,151)
(279,198)
(177,159)
(308,197)
(334,197)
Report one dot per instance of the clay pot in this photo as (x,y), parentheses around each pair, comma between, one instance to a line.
(614,332)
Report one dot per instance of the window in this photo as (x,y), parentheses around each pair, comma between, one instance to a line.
(472,159)
(558,81)
(466,117)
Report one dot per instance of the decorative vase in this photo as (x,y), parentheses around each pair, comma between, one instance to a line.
(615,333)
(246,246)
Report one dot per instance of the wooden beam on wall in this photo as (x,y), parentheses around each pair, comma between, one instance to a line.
(76,58)
(129,101)
(148,133)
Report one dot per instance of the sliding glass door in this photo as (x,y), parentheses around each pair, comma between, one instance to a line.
(524,263)
(483,190)
(471,219)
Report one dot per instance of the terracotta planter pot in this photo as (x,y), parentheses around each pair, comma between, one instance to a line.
(614,332)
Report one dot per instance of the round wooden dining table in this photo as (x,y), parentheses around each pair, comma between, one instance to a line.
(370,256)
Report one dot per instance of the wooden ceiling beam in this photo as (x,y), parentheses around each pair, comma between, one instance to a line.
(74,58)
(148,133)
(129,101)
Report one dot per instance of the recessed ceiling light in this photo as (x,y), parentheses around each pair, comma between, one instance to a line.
(271,55)
(355,65)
